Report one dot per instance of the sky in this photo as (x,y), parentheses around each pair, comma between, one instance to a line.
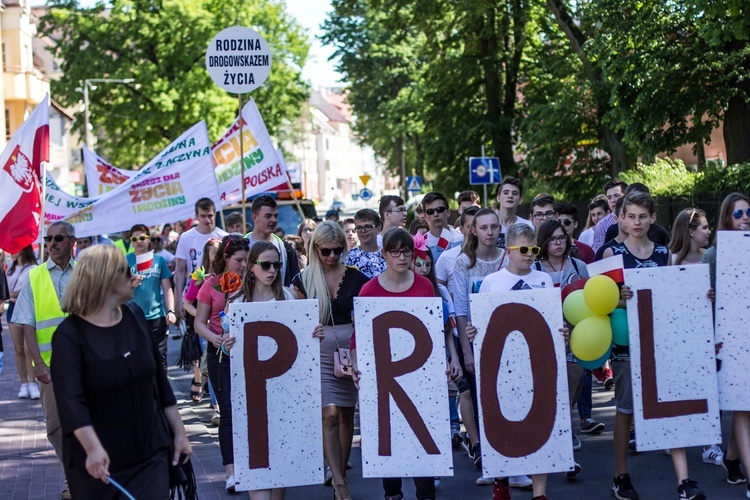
(310,14)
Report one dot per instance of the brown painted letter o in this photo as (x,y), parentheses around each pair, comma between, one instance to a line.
(509,438)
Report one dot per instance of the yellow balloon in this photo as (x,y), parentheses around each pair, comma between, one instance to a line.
(575,308)
(591,338)
(602,294)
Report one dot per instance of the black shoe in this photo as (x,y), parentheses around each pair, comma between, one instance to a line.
(476,454)
(689,490)
(571,474)
(456,440)
(734,474)
(623,489)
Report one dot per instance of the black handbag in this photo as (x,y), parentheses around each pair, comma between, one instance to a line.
(190,350)
(182,483)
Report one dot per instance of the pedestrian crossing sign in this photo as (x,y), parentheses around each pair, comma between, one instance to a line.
(414,183)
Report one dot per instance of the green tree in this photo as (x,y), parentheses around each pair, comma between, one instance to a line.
(162,45)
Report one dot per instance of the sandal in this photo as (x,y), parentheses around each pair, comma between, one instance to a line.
(196,396)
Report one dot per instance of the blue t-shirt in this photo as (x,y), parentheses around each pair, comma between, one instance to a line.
(148,294)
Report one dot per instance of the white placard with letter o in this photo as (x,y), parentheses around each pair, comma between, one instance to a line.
(238,59)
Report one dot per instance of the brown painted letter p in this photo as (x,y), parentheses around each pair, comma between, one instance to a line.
(387,371)
(256,374)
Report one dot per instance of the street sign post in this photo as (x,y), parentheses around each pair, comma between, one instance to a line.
(414,183)
(484,170)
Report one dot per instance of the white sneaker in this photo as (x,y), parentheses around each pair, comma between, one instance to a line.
(34,391)
(485,481)
(230,485)
(24,392)
(713,455)
(519,482)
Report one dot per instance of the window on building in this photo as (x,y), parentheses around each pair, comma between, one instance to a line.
(7,124)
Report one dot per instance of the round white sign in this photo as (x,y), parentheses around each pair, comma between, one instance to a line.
(238,60)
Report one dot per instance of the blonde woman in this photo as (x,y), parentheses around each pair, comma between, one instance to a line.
(335,285)
(113,397)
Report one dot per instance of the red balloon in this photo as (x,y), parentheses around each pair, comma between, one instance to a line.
(572,287)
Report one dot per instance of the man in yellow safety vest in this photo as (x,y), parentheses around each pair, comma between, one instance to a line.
(38,312)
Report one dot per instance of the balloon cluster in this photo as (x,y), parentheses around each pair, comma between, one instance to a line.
(591,305)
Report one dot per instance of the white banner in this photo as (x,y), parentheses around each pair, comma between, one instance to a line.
(673,367)
(263,169)
(166,189)
(403,397)
(524,409)
(101,177)
(732,299)
(276,394)
(59,204)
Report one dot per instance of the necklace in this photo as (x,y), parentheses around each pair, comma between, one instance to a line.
(549,263)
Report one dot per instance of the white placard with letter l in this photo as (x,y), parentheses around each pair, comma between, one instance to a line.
(519,359)
(403,395)
(673,366)
(276,394)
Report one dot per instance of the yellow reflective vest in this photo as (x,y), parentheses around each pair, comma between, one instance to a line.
(46,308)
(121,245)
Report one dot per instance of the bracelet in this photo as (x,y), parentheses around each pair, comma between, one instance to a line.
(171,311)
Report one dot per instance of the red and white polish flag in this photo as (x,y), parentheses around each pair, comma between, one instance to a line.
(611,266)
(144,261)
(20,184)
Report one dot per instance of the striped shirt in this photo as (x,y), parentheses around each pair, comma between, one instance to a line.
(600,230)
(25,312)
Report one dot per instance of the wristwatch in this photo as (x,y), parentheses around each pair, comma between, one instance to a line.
(171,311)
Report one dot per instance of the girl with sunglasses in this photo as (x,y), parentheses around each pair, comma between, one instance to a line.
(334,285)
(227,267)
(734,215)
(262,283)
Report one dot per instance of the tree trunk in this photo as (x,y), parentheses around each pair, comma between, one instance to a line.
(617,151)
(737,128)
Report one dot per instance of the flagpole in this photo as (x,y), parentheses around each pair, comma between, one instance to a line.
(43,171)
(242,164)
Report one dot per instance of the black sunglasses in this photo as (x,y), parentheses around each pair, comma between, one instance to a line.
(566,222)
(266,265)
(59,237)
(155,240)
(325,252)
(438,210)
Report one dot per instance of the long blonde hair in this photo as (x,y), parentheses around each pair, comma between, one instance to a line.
(97,268)
(313,277)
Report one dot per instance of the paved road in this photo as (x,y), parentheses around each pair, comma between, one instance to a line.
(29,469)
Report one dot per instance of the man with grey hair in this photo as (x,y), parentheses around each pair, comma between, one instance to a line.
(38,312)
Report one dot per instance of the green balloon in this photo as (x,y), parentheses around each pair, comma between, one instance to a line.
(619,321)
(575,308)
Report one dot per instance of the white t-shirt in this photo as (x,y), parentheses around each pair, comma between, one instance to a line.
(444,267)
(587,237)
(519,220)
(190,247)
(166,255)
(504,281)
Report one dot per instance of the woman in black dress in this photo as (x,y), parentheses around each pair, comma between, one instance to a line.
(335,285)
(115,403)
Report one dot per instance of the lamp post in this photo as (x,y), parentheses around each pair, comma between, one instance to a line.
(89,83)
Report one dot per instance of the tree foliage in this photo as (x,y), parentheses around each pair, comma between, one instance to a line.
(162,45)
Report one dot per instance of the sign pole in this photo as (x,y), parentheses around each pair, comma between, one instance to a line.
(486,201)
(242,164)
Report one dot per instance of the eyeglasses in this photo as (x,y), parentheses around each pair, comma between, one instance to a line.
(325,252)
(59,237)
(543,215)
(155,240)
(398,210)
(566,222)
(737,214)
(308,230)
(523,250)
(398,253)
(138,238)
(364,229)
(557,239)
(267,265)
(437,210)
